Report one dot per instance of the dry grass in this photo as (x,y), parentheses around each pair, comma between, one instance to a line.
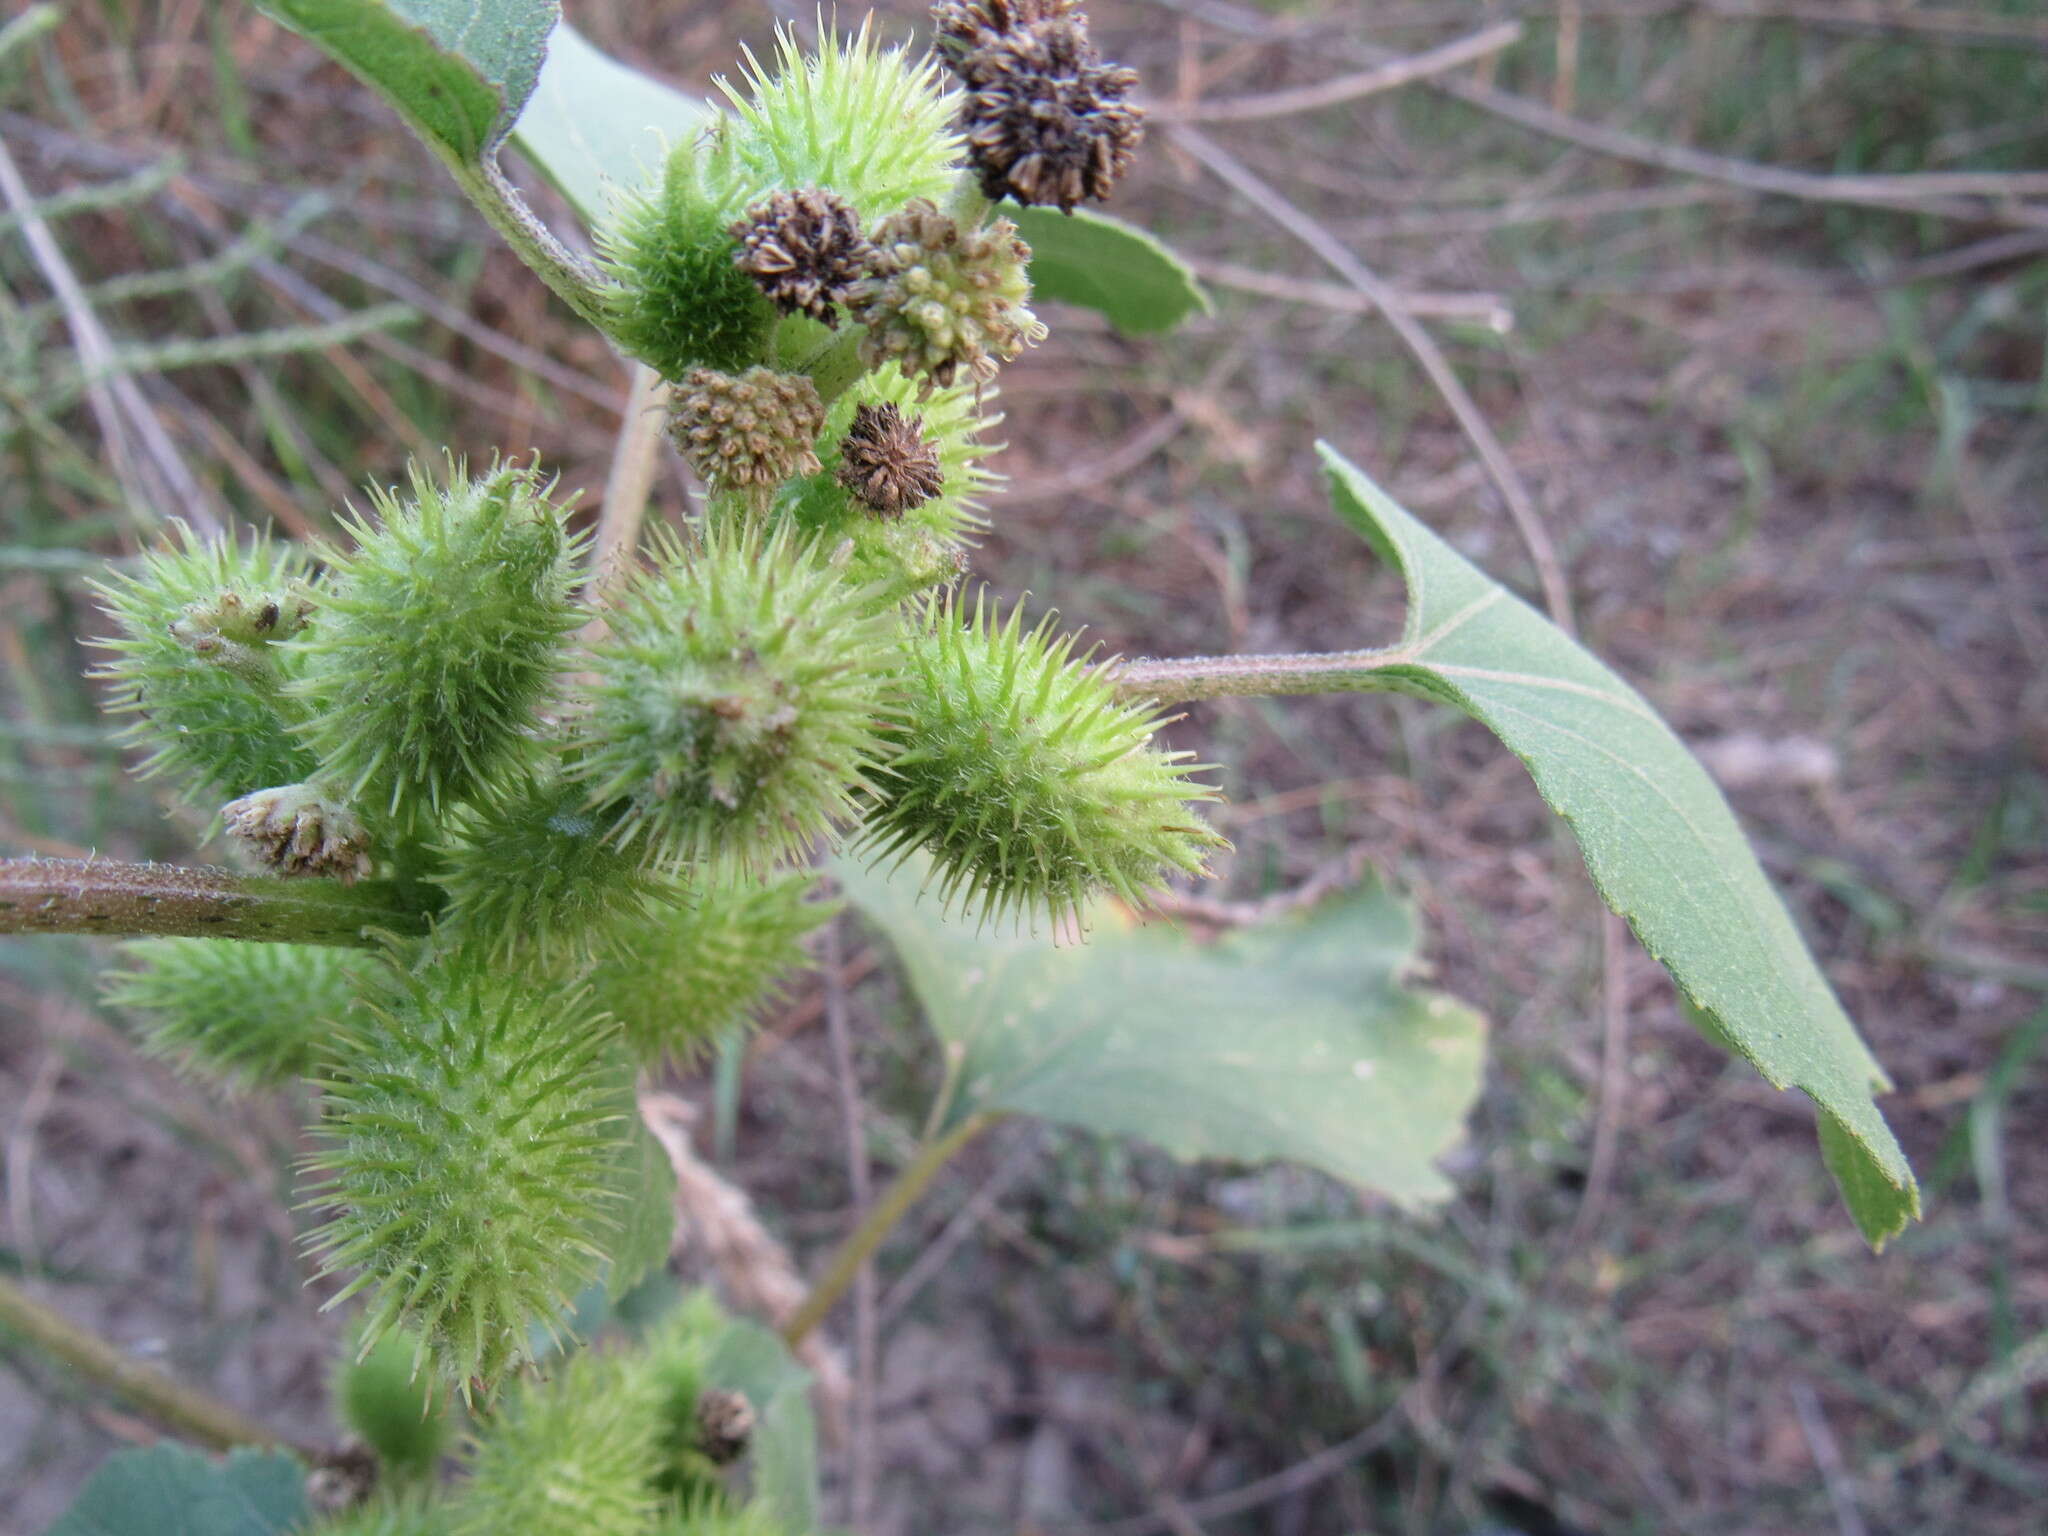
(1794,499)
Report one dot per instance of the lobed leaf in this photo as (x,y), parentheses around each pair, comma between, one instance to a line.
(593,123)
(457,71)
(1662,845)
(168,1490)
(1295,1041)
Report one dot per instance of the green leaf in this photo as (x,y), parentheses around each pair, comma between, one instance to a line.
(594,123)
(1104,264)
(458,71)
(1294,1040)
(748,1358)
(168,1490)
(1662,845)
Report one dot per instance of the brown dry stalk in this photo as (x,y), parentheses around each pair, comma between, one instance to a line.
(756,1271)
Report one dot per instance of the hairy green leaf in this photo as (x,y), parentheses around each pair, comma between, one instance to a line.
(1659,839)
(456,70)
(168,1490)
(1104,264)
(1296,1040)
(594,123)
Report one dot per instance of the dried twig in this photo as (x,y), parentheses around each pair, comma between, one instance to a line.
(1328,93)
(147,462)
(755,1270)
(1521,506)
(839,1033)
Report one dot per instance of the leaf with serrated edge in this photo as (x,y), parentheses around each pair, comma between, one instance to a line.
(1104,264)
(1661,843)
(168,1490)
(1295,1040)
(456,70)
(594,123)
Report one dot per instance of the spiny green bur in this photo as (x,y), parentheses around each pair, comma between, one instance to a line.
(438,637)
(387,1399)
(467,1148)
(680,980)
(534,871)
(199,670)
(679,302)
(736,704)
(572,1456)
(1030,785)
(388,1514)
(863,120)
(251,1014)
(926,545)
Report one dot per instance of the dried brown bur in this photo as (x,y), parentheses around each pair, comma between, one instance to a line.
(804,249)
(887,462)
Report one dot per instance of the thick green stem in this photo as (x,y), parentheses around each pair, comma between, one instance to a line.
(117,900)
(188,1413)
(1180,680)
(861,1243)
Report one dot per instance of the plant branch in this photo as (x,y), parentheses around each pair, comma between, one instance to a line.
(573,280)
(862,1242)
(1184,679)
(179,1408)
(119,900)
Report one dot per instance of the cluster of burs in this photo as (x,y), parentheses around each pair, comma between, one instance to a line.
(601,810)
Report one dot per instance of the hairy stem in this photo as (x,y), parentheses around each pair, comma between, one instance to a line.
(189,1413)
(574,281)
(117,900)
(1181,680)
(882,1217)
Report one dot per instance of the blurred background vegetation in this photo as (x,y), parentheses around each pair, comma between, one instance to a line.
(1788,440)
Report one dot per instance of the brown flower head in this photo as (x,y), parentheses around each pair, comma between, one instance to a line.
(1046,121)
(941,298)
(803,248)
(750,431)
(296,830)
(887,462)
(725,1425)
(966,25)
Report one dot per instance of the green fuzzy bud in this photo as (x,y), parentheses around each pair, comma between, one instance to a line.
(1030,784)
(384,1397)
(860,120)
(922,545)
(572,1456)
(680,980)
(736,705)
(467,1147)
(252,1014)
(194,662)
(673,1370)
(680,301)
(438,637)
(713,1514)
(386,1514)
(535,871)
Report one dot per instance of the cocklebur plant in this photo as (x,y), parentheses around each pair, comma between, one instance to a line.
(522,830)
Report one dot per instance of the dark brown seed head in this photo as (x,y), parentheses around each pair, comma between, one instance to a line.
(803,248)
(725,1425)
(887,462)
(1047,122)
(749,431)
(965,25)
